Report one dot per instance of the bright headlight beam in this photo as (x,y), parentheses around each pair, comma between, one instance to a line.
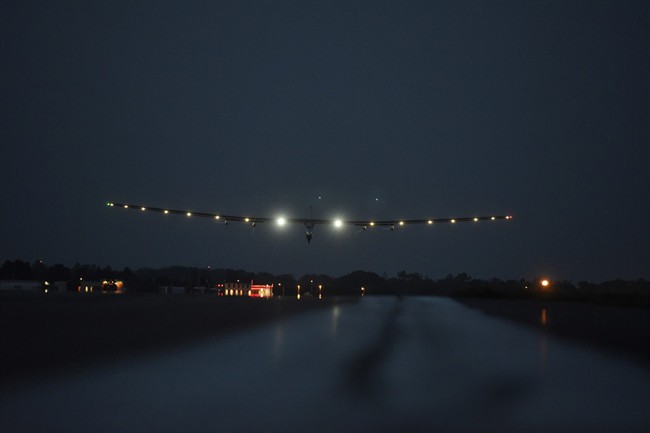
(338,223)
(281,221)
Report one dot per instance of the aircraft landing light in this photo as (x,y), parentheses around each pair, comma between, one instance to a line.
(189,214)
(143,208)
(338,223)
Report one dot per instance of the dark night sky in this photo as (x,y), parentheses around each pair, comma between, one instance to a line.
(536,109)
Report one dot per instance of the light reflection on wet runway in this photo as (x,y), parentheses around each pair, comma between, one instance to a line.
(381,365)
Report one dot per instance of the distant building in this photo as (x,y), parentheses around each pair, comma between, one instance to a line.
(245,289)
(233,289)
(55,286)
(172,290)
(261,291)
(113,286)
(28,286)
(104,286)
(34,286)
(88,286)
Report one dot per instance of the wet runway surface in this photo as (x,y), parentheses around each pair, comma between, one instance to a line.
(383,364)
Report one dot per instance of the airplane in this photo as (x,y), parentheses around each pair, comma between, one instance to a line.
(310,222)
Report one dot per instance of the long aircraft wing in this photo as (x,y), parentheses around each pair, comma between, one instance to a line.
(307,221)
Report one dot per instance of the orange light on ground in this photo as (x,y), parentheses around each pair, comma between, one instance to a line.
(545,283)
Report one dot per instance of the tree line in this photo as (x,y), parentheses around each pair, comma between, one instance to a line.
(359,282)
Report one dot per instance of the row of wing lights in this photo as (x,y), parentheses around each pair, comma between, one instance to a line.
(281,221)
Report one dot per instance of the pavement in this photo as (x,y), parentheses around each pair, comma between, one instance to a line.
(382,364)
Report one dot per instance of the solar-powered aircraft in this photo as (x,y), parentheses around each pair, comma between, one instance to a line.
(310,222)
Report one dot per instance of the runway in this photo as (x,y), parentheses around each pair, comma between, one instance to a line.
(383,364)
